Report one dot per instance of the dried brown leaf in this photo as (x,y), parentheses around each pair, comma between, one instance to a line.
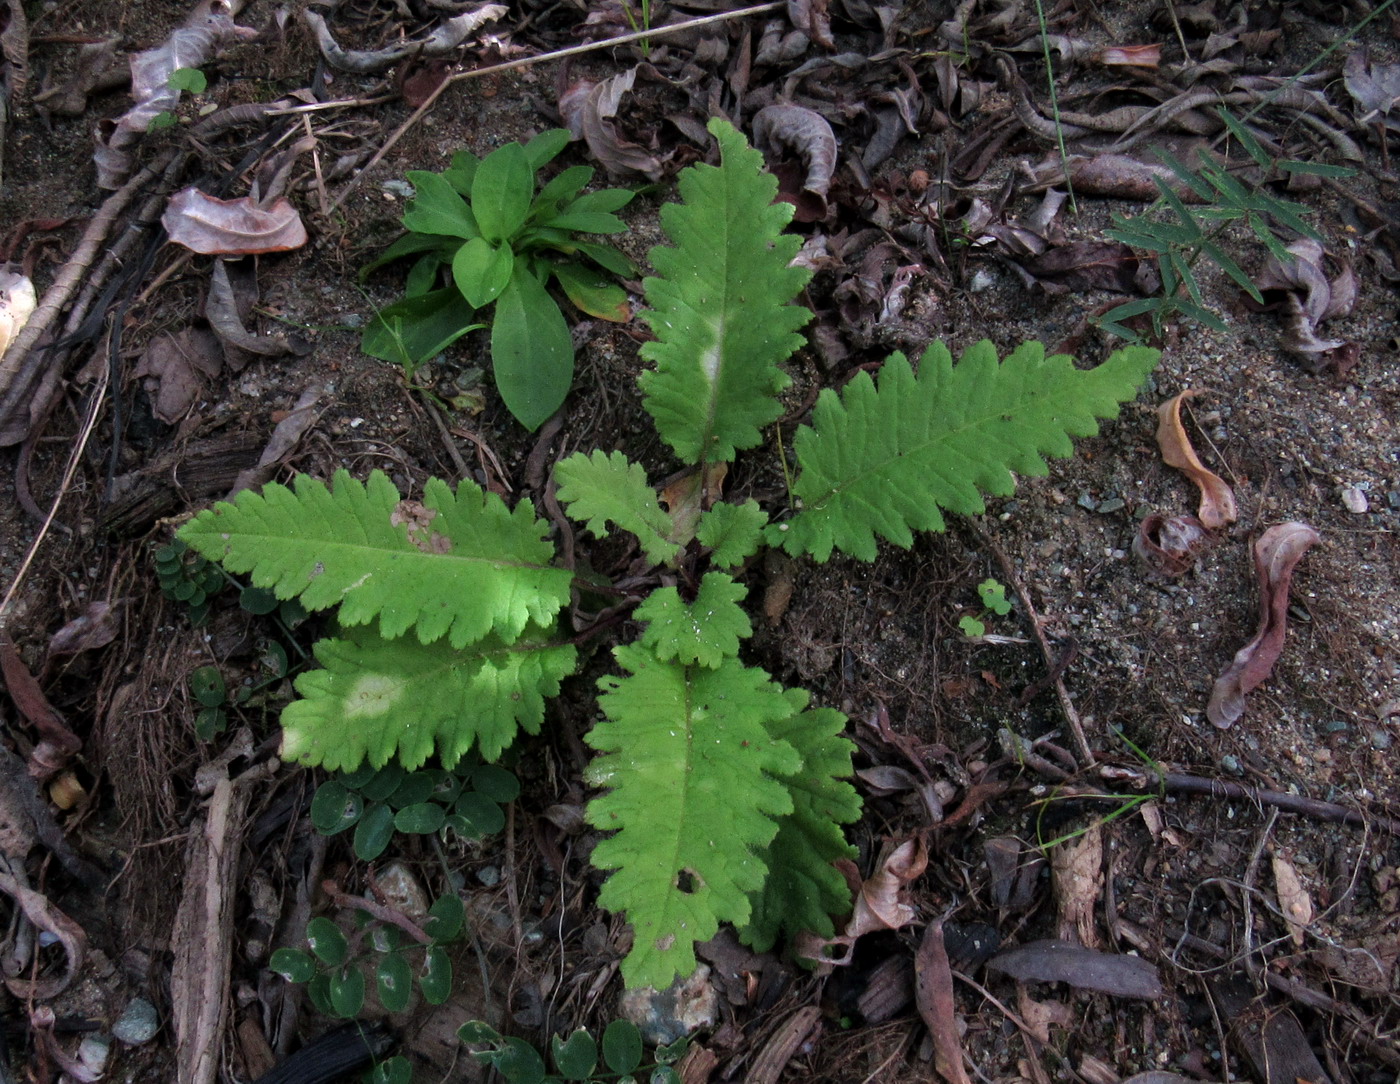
(1086,969)
(1077,867)
(1130,56)
(40,911)
(1169,546)
(588,109)
(175,366)
(1217,506)
(442,39)
(933,994)
(221,310)
(57,744)
(1293,898)
(1087,265)
(233,227)
(1276,553)
(808,135)
(95,627)
(285,437)
(812,18)
(882,903)
(1374,87)
(1311,297)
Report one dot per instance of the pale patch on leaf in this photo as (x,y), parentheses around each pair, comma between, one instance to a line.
(1276,553)
(1217,506)
(231,227)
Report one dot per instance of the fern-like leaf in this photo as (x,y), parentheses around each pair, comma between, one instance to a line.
(704,632)
(804,889)
(690,767)
(732,531)
(459,565)
(882,460)
(601,488)
(721,309)
(380,700)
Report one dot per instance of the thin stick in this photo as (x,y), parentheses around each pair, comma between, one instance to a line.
(531,61)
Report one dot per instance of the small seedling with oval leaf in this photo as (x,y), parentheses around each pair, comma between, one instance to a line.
(992,592)
(503,243)
(575,1058)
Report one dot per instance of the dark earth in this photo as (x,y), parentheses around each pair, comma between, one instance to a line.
(1058,774)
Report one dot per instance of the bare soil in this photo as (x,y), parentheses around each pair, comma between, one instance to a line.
(1197,883)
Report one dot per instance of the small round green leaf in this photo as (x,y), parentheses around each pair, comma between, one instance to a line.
(373,833)
(357,779)
(385,938)
(421,819)
(207,686)
(394,981)
(478,815)
(520,1063)
(673,1052)
(326,941)
(209,723)
(335,807)
(435,976)
(347,992)
(292,964)
(477,1032)
(188,79)
(395,1070)
(416,787)
(622,1046)
(446,918)
(257,601)
(664,1074)
(496,783)
(576,1057)
(319,991)
(384,782)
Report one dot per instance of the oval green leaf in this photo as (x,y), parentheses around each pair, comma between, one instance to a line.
(446,917)
(545,147)
(479,816)
(437,208)
(395,1070)
(496,783)
(347,992)
(393,980)
(435,977)
(384,782)
(520,1063)
(207,686)
(478,1032)
(373,833)
(292,964)
(421,819)
(622,1046)
(501,192)
(482,270)
(326,941)
(575,1058)
(415,788)
(591,292)
(531,352)
(335,808)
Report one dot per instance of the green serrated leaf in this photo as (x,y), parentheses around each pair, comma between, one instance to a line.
(393,980)
(327,943)
(373,833)
(803,888)
(292,964)
(622,1046)
(381,699)
(437,208)
(993,595)
(435,976)
(884,459)
(971,627)
(705,631)
(502,190)
(721,308)
(482,270)
(603,488)
(678,745)
(732,531)
(532,354)
(191,80)
(470,567)
(576,1057)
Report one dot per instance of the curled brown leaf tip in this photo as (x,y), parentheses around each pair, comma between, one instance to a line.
(1310,297)
(234,227)
(1169,546)
(1217,499)
(1276,553)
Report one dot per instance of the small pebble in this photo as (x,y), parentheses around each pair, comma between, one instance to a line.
(1354,500)
(402,189)
(1231,764)
(1116,504)
(663,1016)
(1336,726)
(981,280)
(1087,502)
(93,1053)
(489,876)
(137,1024)
(1380,739)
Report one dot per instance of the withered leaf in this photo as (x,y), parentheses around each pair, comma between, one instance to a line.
(175,365)
(221,310)
(95,627)
(1087,265)
(1310,297)
(588,109)
(1276,553)
(1085,969)
(807,134)
(933,994)
(1374,87)
(17,303)
(1217,507)
(234,227)
(39,909)
(57,744)
(882,903)
(1293,898)
(1169,546)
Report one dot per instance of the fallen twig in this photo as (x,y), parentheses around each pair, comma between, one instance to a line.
(530,61)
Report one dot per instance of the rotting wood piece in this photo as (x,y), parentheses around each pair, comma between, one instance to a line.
(178,477)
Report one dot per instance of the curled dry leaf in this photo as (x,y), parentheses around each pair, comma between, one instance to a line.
(95,627)
(806,133)
(933,993)
(221,310)
(284,439)
(1309,297)
(1086,969)
(174,366)
(883,903)
(1276,553)
(445,37)
(1375,88)
(1091,265)
(1217,499)
(192,45)
(588,109)
(812,18)
(1169,546)
(231,227)
(57,744)
(1293,898)
(1130,56)
(40,911)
